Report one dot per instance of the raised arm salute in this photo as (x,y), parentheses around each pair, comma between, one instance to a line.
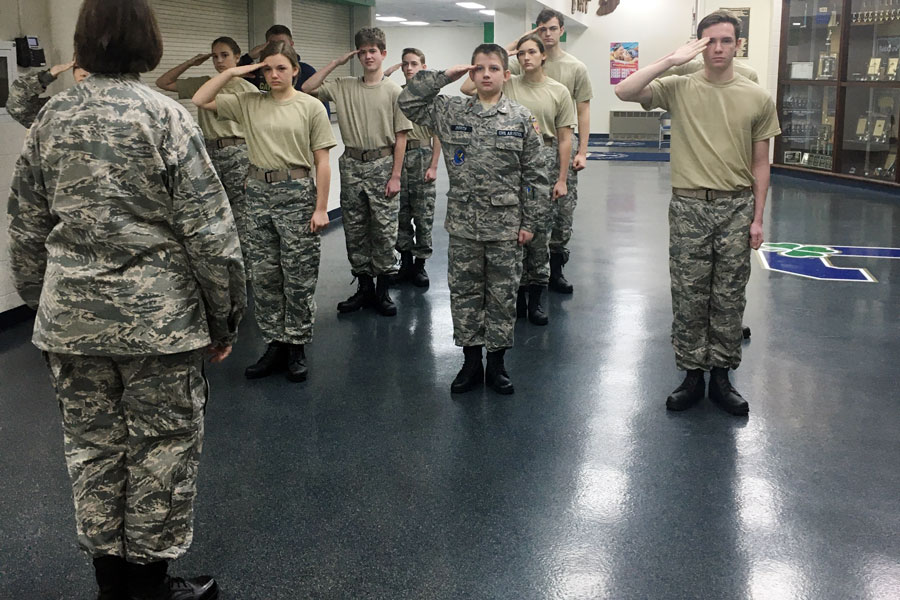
(289,138)
(492,151)
(721,127)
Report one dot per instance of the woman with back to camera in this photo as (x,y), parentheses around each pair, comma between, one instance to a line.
(224,139)
(551,105)
(121,237)
(288,134)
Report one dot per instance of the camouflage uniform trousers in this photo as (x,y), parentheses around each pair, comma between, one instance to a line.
(536,253)
(416,204)
(564,209)
(231,164)
(133,432)
(709,264)
(370,219)
(284,256)
(483,278)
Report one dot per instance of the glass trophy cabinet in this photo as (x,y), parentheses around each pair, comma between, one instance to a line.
(839,88)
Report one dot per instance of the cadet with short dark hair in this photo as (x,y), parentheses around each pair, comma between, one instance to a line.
(374,134)
(721,127)
(122,239)
(492,151)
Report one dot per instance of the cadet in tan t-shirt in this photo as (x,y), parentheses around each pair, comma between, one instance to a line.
(417,189)
(288,135)
(551,105)
(224,139)
(721,127)
(573,74)
(374,133)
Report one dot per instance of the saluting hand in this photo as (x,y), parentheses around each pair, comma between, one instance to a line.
(199,59)
(319,221)
(346,58)
(55,70)
(686,53)
(245,69)
(454,73)
(390,70)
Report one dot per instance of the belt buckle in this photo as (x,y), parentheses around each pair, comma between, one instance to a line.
(365,155)
(267,177)
(707,193)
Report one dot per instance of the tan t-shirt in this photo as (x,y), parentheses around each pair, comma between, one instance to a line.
(548,101)
(697,64)
(714,127)
(567,70)
(368,115)
(280,135)
(212,127)
(422,134)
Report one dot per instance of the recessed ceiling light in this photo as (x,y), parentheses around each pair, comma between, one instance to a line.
(419,23)
(472,5)
(391,19)
(489,12)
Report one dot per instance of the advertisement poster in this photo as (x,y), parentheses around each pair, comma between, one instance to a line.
(743,15)
(623,60)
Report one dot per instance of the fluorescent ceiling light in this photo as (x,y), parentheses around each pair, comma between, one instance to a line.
(472,5)
(489,12)
(419,23)
(391,19)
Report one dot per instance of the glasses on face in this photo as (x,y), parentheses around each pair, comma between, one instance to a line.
(552,29)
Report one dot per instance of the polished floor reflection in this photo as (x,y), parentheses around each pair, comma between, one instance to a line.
(371,481)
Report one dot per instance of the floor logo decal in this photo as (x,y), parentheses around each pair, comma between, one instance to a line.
(814,262)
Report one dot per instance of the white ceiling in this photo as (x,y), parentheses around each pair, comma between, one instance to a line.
(436,12)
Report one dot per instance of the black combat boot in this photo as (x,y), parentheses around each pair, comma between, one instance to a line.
(274,360)
(522,302)
(419,276)
(689,393)
(111,573)
(536,312)
(296,363)
(558,281)
(383,303)
(723,393)
(364,296)
(406,267)
(471,375)
(150,582)
(495,375)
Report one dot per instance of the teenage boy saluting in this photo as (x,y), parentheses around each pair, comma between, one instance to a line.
(492,149)
(721,127)
(423,150)
(374,133)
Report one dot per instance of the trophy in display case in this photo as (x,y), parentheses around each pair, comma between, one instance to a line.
(879,130)
(827,60)
(862,129)
(893,73)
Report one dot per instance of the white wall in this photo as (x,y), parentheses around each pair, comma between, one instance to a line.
(443,47)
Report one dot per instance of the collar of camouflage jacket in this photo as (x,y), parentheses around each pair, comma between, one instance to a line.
(474,106)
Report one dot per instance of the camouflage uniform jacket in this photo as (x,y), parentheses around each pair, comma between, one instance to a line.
(120,232)
(491,155)
(25,102)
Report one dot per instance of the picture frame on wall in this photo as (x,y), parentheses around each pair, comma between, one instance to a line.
(743,15)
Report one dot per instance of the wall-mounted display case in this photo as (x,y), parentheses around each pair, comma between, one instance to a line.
(839,88)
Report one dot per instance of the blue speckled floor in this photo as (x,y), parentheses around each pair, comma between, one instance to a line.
(371,481)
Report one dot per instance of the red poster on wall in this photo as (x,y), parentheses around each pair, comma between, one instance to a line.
(623,60)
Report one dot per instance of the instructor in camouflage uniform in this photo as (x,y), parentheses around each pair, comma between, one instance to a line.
(721,126)
(492,150)
(122,238)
